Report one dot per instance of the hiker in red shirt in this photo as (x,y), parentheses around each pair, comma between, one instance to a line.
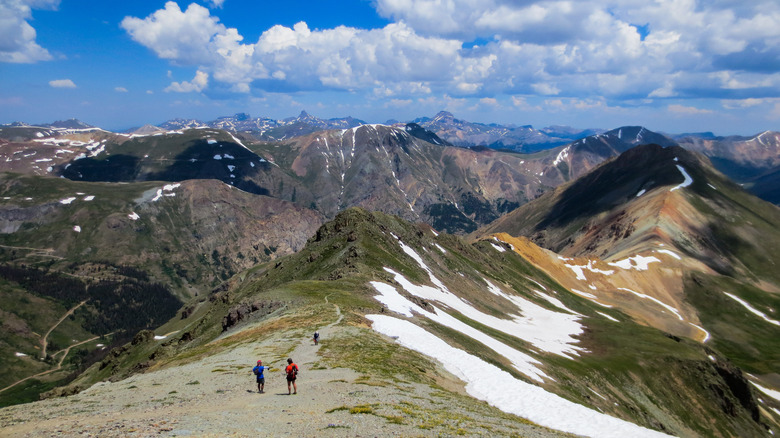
(292,374)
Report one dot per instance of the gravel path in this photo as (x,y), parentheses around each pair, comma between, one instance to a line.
(217,396)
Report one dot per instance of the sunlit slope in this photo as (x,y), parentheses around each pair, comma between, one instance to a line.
(518,338)
(649,197)
(660,235)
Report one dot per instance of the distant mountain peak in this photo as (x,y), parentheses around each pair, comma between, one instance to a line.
(70,124)
(443,115)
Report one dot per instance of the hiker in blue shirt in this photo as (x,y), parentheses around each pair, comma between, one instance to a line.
(258,370)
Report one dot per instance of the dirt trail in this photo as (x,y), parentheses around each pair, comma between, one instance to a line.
(217,396)
(64,352)
(44,342)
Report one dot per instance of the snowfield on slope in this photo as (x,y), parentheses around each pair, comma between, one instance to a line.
(487,382)
(532,325)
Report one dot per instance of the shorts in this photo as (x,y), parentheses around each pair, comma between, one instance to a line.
(291,378)
(261,380)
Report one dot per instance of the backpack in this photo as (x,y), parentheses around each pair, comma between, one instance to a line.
(292,370)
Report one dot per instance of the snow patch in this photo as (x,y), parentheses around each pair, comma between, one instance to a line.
(637,262)
(641,192)
(134,216)
(607,316)
(397,303)
(67,201)
(752,309)
(487,382)
(77,229)
(591,297)
(238,142)
(498,247)
(562,155)
(166,188)
(706,333)
(579,270)
(655,300)
(211,141)
(667,252)
(770,392)
(548,330)
(686,182)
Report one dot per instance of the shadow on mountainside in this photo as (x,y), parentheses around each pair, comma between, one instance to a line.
(224,161)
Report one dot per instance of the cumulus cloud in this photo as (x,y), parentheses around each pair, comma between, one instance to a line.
(622,50)
(62,83)
(120,89)
(17,36)
(185,37)
(746,103)
(197,84)
(681,109)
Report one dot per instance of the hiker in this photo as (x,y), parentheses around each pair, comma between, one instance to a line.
(292,374)
(258,370)
(316,338)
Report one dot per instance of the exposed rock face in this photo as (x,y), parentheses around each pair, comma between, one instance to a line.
(739,388)
(246,310)
(143,336)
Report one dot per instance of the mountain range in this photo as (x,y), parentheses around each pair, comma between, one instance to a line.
(585,277)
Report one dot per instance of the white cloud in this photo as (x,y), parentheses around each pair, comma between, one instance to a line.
(746,103)
(666,91)
(521,103)
(185,37)
(62,83)
(120,89)
(690,110)
(623,50)
(545,89)
(216,3)
(197,84)
(398,103)
(17,36)
(489,101)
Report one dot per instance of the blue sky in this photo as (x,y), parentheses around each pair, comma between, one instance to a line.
(670,65)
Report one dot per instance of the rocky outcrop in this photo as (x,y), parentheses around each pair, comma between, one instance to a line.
(246,310)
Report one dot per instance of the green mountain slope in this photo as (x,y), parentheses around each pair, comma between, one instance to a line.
(481,298)
(132,252)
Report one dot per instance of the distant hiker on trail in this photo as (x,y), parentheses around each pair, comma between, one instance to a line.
(316,338)
(258,370)
(292,374)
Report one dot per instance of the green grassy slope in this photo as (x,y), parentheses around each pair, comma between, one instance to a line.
(630,367)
